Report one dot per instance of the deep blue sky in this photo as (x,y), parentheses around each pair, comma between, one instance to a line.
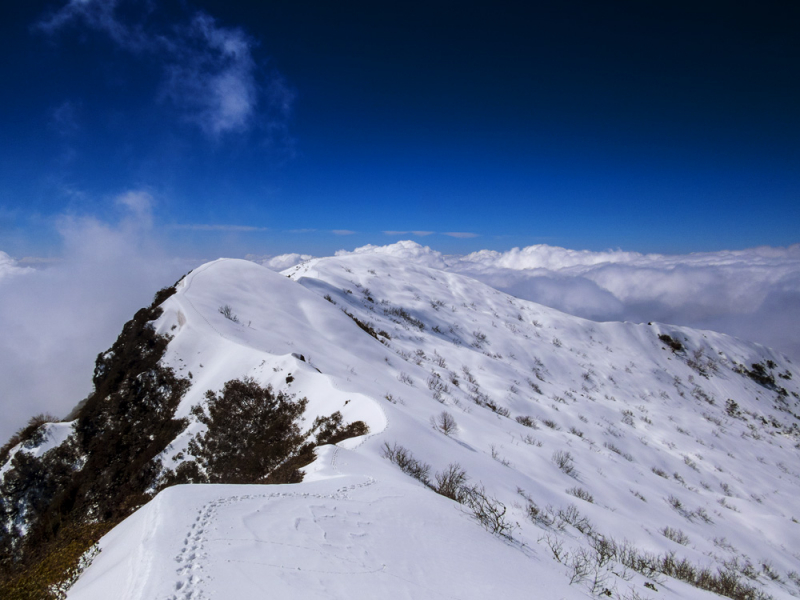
(660,126)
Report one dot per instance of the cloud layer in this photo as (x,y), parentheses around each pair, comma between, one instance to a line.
(57,317)
(754,293)
(209,71)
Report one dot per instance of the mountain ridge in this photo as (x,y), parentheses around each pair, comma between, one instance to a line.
(646,405)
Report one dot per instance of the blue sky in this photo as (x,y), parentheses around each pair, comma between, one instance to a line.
(284,126)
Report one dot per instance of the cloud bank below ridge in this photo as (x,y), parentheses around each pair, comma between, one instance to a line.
(753,293)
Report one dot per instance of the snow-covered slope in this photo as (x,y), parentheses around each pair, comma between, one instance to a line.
(584,433)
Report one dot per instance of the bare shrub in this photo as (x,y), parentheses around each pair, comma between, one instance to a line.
(437,386)
(445,423)
(690,463)
(407,463)
(29,436)
(489,511)
(572,516)
(226,311)
(660,472)
(403,314)
(575,431)
(676,535)
(565,462)
(556,547)
(580,565)
(497,457)
(451,482)
(627,418)
(480,338)
(674,344)
(405,378)
(581,493)
(616,450)
(527,421)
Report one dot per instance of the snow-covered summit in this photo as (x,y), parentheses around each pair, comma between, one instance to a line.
(592,445)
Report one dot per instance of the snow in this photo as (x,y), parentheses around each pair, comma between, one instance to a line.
(358,527)
(341,537)
(54,435)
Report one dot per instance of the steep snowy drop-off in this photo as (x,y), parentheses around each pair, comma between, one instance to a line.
(622,438)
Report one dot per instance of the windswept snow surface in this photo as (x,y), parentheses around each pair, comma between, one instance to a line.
(651,438)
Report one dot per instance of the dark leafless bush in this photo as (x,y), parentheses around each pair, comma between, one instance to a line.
(497,457)
(575,431)
(403,314)
(452,482)
(556,547)
(616,450)
(227,312)
(565,462)
(532,441)
(437,386)
(407,463)
(527,422)
(580,565)
(572,516)
(676,535)
(534,386)
(480,338)
(445,423)
(675,503)
(489,511)
(581,493)
(660,472)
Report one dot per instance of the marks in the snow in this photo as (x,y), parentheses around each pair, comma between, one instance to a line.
(330,532)
(190,559)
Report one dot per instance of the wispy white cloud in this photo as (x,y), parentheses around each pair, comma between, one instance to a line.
(212,76)
(342,231)
(461,234)
(64,118)
(100,15)
(416,233)
(210,73)
(217,227)
(139,203)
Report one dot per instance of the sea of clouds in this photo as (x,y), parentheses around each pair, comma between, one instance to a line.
(57,316)
(753,294)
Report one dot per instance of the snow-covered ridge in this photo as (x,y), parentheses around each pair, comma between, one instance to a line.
(686,449)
